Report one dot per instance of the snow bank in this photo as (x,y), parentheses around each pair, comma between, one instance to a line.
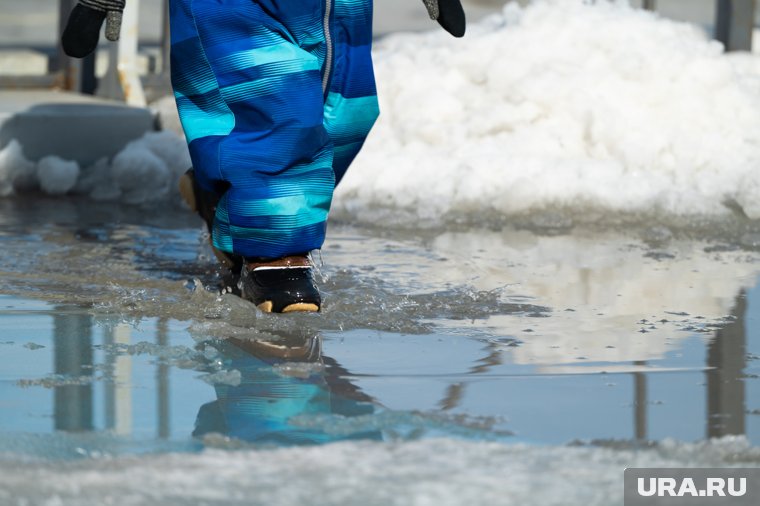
(562,104)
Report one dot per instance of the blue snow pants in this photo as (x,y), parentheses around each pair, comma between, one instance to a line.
(276,98)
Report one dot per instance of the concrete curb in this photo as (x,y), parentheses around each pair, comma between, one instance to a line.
(71,126)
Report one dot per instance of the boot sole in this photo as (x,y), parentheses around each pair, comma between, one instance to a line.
(298,307)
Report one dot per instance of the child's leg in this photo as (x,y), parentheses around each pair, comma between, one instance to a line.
(351,105)
(248,76)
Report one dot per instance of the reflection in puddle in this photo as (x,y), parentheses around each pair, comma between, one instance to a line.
(276,384)
(610,300)
(73,361)
(529,341)
(135,385)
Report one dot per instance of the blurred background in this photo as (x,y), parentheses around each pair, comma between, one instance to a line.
(29,33)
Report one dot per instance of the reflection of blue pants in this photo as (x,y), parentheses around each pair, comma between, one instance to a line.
(276,98)
(265,406)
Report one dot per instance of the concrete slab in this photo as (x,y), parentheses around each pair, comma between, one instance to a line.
(71,126)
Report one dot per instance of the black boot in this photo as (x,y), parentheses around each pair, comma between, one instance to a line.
(280,285)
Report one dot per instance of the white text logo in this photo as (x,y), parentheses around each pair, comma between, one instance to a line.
(714,487)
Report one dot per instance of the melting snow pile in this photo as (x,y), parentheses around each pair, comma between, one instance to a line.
(562,104)
(145,171)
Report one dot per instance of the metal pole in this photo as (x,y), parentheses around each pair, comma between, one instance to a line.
(118,390)
(162,382)
(88,83)
(72,338)
(122,383)
(735,20)
(726,390)
(640,404)
(166,41)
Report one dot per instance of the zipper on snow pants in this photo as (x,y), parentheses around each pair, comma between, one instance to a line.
(330,55)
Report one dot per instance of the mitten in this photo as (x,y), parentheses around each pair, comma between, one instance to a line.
(80,37)
(449,14)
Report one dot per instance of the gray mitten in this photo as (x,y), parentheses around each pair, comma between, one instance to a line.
(80,37)
(449,14)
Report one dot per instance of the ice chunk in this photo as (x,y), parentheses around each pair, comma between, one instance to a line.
(15,170)
(231,377)
(56,175)
(140,174)
(170,148)
(145,171)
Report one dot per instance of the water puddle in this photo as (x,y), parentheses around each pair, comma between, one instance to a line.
(116,344)
(483,335)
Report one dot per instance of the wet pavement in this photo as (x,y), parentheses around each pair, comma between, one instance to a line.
(113,331)
(535,349)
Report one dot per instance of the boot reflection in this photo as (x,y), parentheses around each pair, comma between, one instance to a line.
(283,384)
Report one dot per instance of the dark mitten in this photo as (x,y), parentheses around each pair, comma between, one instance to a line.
(449,14)
(82,32)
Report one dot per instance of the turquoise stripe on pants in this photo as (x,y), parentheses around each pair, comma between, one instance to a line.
(248,79)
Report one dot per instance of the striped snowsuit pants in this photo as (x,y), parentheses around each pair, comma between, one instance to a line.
(276,98)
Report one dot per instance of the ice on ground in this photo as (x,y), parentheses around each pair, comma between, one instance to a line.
(16,172)
(566,104)
(56,175)
(145,171)
(441,472)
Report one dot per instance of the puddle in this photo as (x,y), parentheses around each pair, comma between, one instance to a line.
(155,381)
(582,348)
